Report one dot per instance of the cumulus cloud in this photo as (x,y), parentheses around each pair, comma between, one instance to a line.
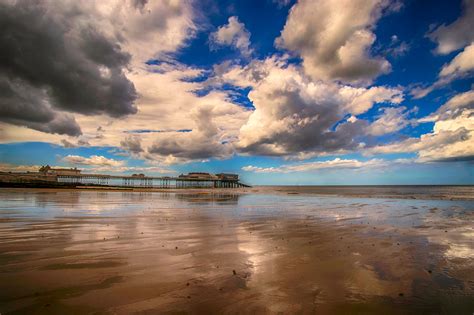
(152,28)
(360,100)
(93,160)
(208,139)
(148,170)
(296,115)
(440,145)
(461,65)
(337,163)
(391,120)
(452,138)
(132,144)
(334,38)
(7,167)
(233,34)
(454,107)
(71,66)
(69,57)
(168,102)
(68,144)
(92,168)
(450,38)
(137,31)
(457,34)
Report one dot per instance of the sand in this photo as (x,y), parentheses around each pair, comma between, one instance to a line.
(81,252)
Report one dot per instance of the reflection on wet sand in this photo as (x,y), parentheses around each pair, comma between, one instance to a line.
(128,252)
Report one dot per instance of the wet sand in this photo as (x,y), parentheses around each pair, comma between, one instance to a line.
(117,252)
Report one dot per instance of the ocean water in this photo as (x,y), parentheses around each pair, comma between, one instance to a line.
(386,191)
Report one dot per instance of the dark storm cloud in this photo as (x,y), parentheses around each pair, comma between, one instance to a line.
(72,66)
(24,105)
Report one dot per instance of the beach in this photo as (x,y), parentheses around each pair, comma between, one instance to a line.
(392,250)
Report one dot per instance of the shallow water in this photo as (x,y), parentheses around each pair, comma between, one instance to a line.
(270,251)
(436,192)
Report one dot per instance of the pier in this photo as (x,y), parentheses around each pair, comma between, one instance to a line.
(148,181)
(74,177)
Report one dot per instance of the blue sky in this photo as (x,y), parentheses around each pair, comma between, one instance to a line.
(281,92)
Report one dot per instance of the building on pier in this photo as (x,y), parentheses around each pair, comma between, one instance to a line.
(198,176)
(230,177)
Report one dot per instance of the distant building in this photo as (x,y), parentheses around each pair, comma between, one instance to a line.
(197,175)
(231,177)
(138,175)
(48,170)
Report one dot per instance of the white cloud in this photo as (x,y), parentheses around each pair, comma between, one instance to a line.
(459,67)
(300,111)
(295,115)
(450,38)
(147,170)
(98,164)
(146,29)
(359,100)
(453,107)
(99,42)
(420,92)
(94,165)
(452,137)
(132,143)
(462,64)
(7,167)
(457,34)
(337,163)
(334,38)
(212,136)
(233,34)
(166,102)
(392,119)
(455,143)
(93,160)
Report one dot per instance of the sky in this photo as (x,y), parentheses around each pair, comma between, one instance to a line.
(308,92)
